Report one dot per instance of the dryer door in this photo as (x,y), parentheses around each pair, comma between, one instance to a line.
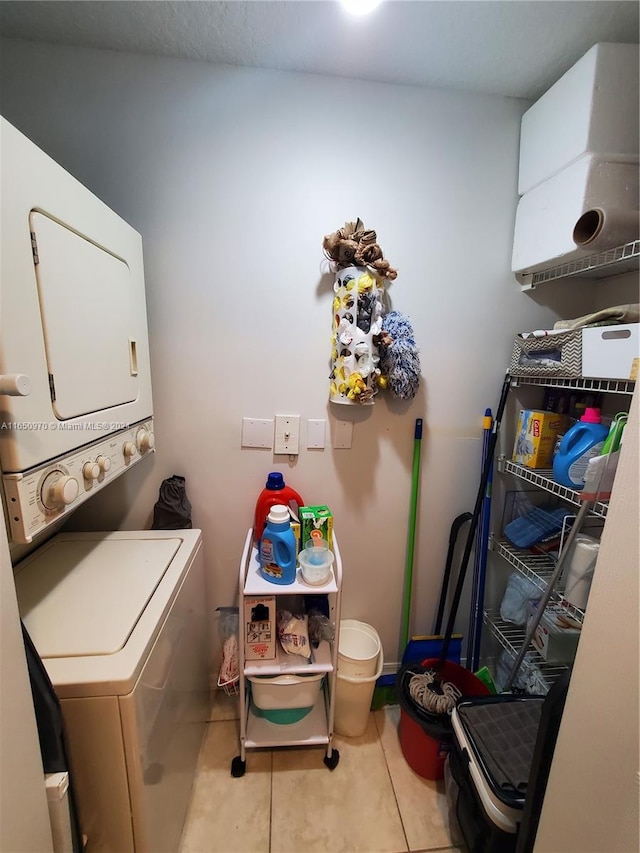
(86,310)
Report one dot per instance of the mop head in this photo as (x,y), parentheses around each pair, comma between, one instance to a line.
(432,694)
(399,360)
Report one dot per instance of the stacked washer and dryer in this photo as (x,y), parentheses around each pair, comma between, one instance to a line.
(117,618)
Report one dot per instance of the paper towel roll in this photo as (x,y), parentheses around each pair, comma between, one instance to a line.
(581,564)
(605,228)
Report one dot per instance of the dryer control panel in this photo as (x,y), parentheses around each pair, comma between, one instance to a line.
(39,497)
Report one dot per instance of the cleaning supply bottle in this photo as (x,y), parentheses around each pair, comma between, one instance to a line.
(277,547)
(580,443)
(274,492)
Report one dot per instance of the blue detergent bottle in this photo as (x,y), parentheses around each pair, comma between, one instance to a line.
(277,547)
(579,444)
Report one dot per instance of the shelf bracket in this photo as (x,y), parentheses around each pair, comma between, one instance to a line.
(526,281)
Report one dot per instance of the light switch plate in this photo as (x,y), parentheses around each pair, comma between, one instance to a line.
(316,429)
(287,434)
(342,434)
(257,432)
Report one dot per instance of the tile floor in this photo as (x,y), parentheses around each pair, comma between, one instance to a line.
(289,802)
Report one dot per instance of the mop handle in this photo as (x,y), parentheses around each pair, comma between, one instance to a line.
(453,538)
(408,578)
(482,539)
(537,616)
(474,520)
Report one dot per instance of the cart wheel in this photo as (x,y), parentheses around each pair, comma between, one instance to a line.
(238,766)
(332,761)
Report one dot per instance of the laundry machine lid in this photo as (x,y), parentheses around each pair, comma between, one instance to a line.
(80,598)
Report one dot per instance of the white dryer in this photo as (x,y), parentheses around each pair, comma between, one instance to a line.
(119,621)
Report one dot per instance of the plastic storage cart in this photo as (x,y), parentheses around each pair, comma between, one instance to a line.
(315,728)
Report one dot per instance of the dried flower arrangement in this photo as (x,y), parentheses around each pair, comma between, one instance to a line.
(355,246)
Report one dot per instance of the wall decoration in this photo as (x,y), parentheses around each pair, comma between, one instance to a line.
(371,350)
(357,320)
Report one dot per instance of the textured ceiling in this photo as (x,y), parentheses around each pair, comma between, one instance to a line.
(507,47)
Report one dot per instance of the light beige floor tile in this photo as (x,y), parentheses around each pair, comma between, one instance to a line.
(228,815)
(224,707)
(351,809)
(422,802)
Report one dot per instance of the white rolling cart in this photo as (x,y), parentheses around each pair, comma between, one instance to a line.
(316,728)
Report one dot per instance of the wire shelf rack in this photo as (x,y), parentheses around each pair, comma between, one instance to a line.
(611,386)
(544,480)
(621,259)
(537,568)
(511,637)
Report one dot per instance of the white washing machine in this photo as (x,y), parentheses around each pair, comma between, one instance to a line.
(119,621)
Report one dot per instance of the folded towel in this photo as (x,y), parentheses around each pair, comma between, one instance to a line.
(605,317)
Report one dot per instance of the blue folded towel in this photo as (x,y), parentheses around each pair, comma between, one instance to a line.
(525,531)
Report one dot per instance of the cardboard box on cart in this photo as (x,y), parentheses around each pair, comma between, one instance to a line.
(316,518)
(259,627)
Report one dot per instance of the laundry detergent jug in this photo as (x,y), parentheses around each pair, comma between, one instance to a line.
(277,547)
(579,444)
(274,492)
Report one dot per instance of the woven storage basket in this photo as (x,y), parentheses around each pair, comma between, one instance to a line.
(568,344)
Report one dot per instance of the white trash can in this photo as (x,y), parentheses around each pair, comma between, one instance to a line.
(353,698)
(358,649)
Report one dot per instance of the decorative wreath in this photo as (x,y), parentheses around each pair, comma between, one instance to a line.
(354,246)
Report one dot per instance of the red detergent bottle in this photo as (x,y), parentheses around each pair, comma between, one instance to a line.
(274,492)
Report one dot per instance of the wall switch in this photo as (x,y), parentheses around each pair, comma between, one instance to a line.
(287,434)
(315,434)
(342,434)
(257,432)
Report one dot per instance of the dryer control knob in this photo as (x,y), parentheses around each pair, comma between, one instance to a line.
(129,449)
(104,463)
(91,470)
(145,440)
(63,492)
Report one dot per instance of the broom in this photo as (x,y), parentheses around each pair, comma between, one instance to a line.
(385,690)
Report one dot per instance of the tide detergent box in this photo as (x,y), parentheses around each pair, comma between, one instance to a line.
(536,437)
(316,518)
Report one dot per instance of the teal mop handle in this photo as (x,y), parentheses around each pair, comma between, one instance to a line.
(408,575)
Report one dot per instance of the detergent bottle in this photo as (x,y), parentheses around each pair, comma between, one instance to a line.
(277,547)
(580,443)
(274,492)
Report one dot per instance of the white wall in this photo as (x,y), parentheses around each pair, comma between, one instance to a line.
(233,176)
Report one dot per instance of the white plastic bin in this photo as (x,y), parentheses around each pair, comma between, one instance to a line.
(546,216)
(595,103)
(358,649)
(353,699)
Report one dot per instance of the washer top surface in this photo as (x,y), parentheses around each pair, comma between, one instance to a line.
(85,597)
(95,604)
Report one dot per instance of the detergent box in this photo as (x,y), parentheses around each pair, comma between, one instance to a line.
(557,634)
(316,518)
(260,627)
(536,437)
